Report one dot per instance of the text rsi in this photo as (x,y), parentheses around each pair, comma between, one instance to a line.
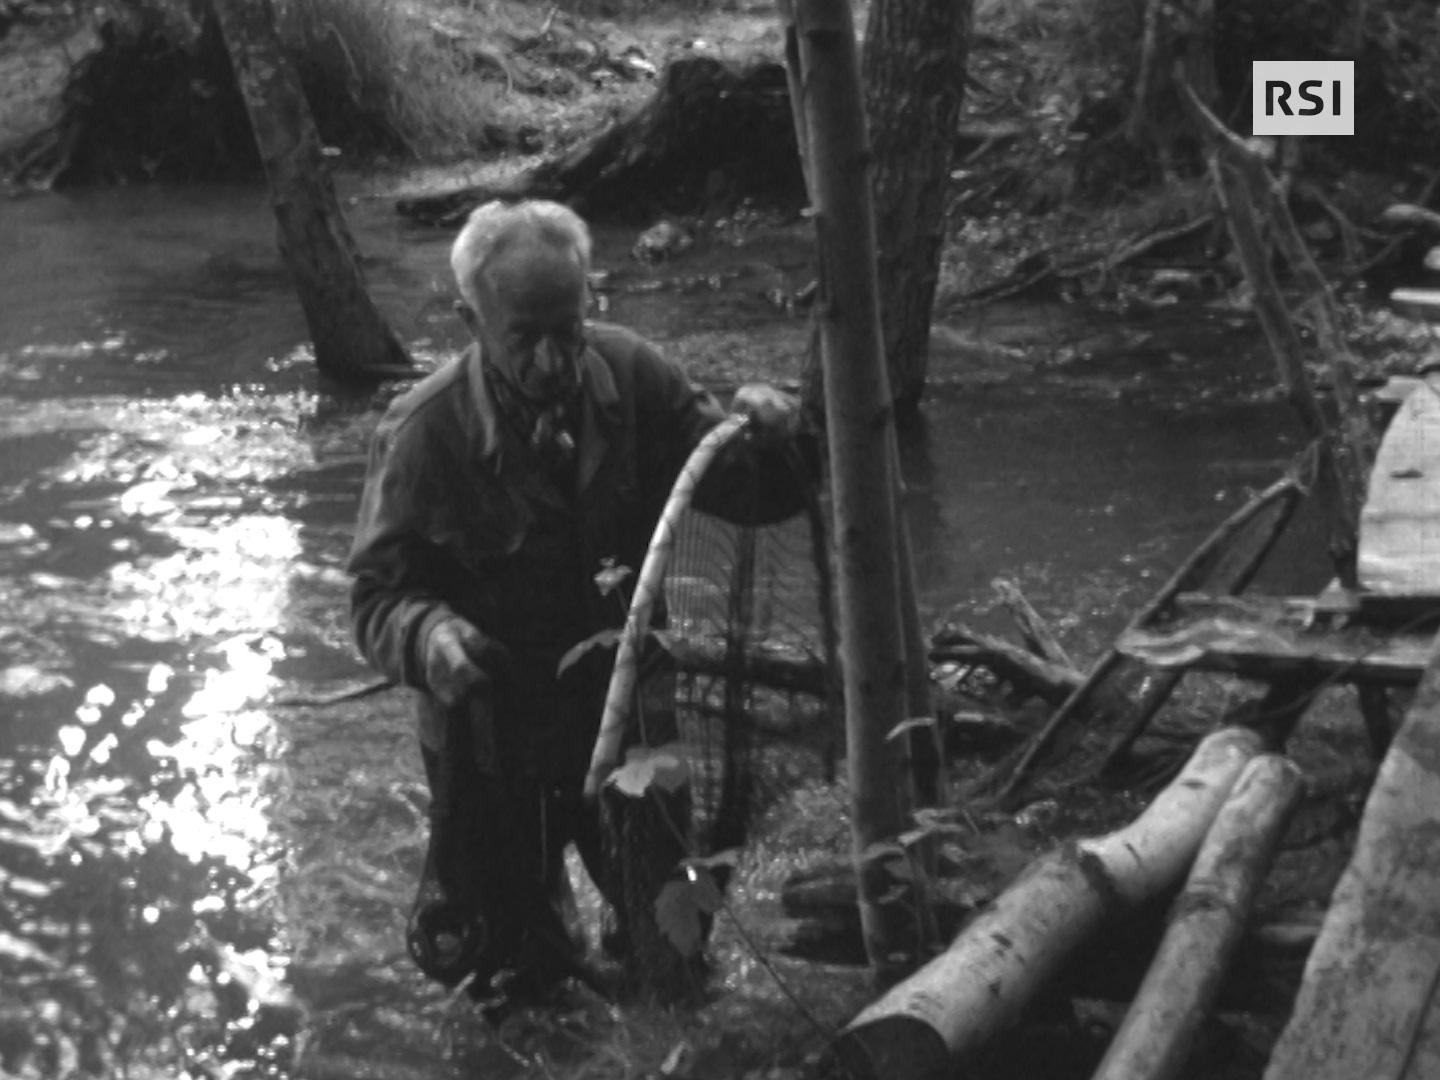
(1278,91)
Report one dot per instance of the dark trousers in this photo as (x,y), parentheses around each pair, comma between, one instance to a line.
(497,851)
(499,834)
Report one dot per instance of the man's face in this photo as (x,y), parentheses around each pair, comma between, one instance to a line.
(532,318)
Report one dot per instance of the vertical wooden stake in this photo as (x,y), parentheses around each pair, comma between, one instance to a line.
(860,434)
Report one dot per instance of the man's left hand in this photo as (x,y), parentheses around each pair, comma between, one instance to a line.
(773,413)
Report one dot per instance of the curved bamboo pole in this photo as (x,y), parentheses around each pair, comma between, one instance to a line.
(648,586)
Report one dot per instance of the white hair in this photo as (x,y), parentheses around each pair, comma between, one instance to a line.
(494,225)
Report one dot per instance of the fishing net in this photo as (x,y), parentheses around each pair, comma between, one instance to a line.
(740,682)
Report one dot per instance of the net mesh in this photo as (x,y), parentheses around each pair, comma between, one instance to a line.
(753,665)
(744,678)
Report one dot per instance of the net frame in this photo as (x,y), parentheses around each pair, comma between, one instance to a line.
(706,663)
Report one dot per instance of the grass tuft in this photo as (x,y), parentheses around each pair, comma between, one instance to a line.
(382,81)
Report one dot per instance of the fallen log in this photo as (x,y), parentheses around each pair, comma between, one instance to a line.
(822,925)
(959,644)
(1264,975)
(1207,920)
(713,135)
(1014,950)
(1262,978)
(1367,1005)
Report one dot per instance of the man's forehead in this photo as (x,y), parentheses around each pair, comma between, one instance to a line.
(534,268)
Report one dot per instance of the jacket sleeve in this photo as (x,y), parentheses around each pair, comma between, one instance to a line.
(749,482)
(396,596)
(756,481)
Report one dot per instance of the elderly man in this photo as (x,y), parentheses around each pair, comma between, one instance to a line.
(498,487)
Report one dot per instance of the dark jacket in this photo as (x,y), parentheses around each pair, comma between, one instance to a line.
(460,517)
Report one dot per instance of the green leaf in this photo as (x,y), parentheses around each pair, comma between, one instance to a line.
(611,576)
(896,894)
(664,767)
(909,725)
(601,639)
(681,907)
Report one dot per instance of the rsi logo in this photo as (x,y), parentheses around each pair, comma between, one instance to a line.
(1303,97)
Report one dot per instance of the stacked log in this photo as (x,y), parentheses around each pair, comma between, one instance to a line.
(948,1010)
(1206,924)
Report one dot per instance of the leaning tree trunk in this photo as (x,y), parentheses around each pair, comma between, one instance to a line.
(860,435)
(914,74)
(1177,44)
(352,340)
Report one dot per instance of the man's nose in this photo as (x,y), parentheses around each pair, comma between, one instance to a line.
(550,356)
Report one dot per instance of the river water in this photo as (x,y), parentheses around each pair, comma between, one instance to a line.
(196,876)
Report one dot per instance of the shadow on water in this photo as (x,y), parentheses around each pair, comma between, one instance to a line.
(195,878)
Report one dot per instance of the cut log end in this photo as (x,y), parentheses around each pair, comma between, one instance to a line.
(898,1046)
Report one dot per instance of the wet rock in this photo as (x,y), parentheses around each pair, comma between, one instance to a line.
(663,240)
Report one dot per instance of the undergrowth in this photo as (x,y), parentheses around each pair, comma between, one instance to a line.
(380,81)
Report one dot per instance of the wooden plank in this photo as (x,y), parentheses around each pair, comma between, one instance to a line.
(1367,1005)
(1265,637)
(1399,552)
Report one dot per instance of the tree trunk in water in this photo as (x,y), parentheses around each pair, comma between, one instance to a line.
(860,434)
(948,1010)
(1177,43)
(352,340)
(1367,1006)
(914,75)
(1208,920)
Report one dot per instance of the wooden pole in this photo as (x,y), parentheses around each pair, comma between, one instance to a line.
(1368,1004)
(948,1010)
(1206,924)
(860,435)
(926,758)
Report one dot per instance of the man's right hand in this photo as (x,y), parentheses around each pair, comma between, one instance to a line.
(459,659)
